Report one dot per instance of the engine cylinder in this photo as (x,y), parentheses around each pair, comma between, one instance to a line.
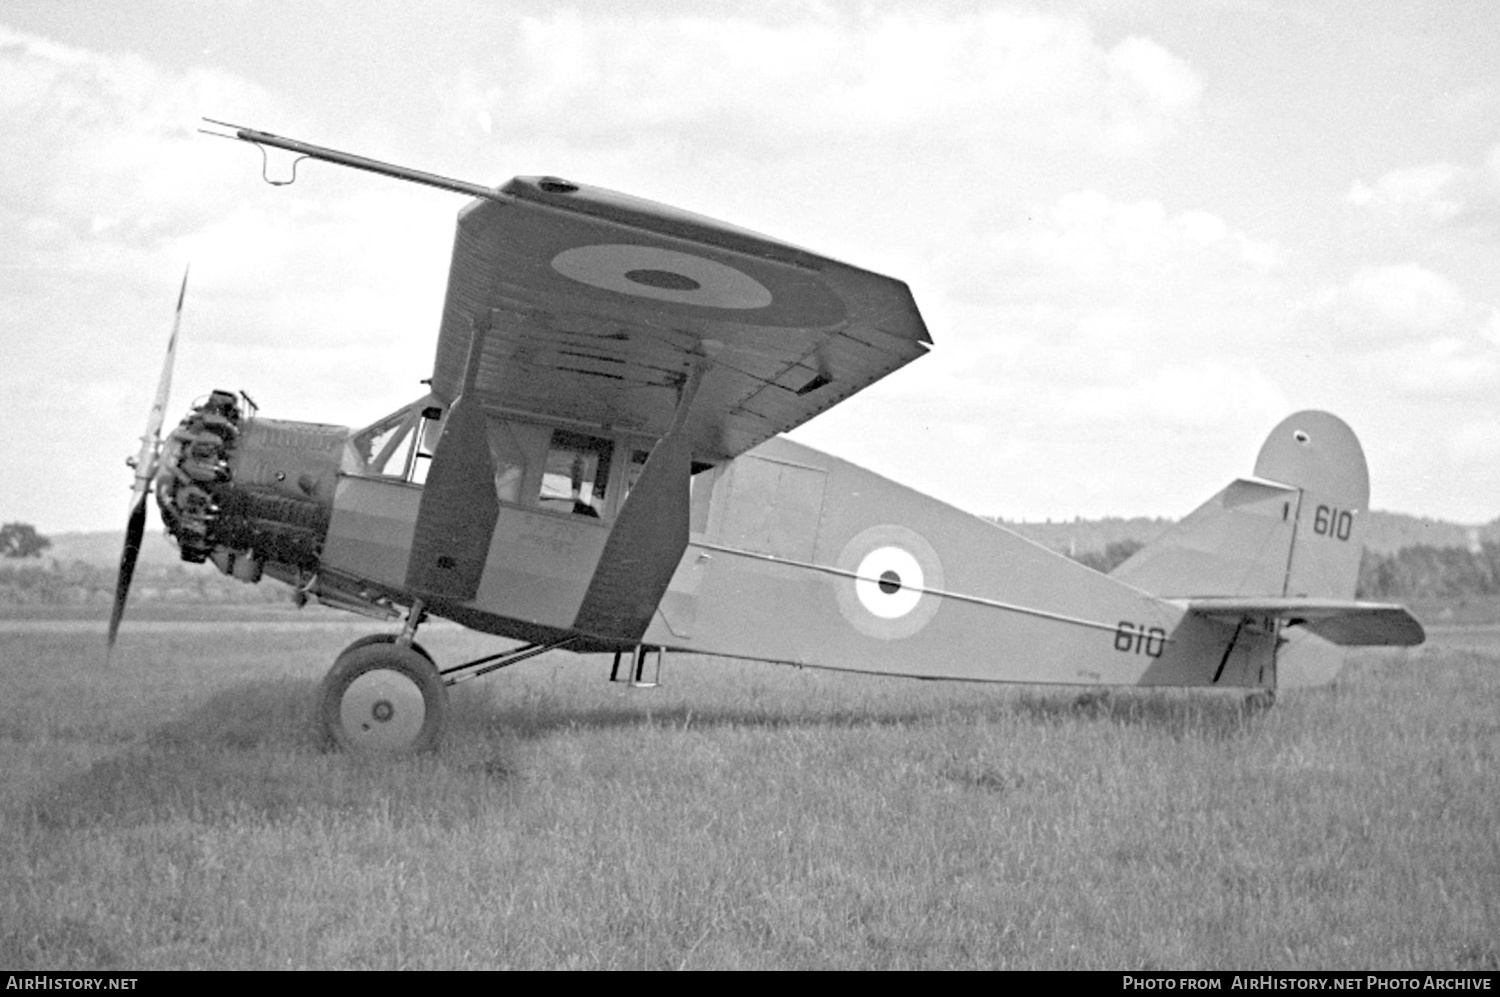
(261,488)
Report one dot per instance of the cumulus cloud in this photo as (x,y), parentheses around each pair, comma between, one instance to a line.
(1490,330)
(1105,291)
(1413,330)
(1120,310)
(1094,321)
(1446,367)
(1391,303)
(769,86)
(1437,193)
(1475,442)
(106,143)
(115,182)
(109,190)
(1178,394)
(1093,238)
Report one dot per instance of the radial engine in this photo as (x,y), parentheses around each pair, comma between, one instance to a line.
(251,494)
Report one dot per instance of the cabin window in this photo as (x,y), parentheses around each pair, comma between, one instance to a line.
(576,473)
(700,486)
(633,470)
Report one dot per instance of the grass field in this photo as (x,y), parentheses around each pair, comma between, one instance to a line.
(171,811)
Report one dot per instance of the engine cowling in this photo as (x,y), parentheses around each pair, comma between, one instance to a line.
(248,491)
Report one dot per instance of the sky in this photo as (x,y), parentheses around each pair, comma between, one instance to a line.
(1140,233)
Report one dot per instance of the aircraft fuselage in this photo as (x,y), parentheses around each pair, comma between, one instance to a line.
(793,555)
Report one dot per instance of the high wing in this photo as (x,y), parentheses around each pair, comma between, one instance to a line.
(1345,622)
(592,306)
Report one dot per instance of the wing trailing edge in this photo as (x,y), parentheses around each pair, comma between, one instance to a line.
(1346,622)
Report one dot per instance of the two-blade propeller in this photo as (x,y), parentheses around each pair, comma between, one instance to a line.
(145,465)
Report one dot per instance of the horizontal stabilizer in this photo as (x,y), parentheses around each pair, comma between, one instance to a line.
(1345,622)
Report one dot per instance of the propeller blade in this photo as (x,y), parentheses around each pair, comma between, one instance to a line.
(145,461)
(145,465)
(135,530)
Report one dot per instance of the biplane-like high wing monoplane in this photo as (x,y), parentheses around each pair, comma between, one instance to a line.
(597,467)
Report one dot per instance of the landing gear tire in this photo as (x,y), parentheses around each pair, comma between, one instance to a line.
(381,698)
(381,639)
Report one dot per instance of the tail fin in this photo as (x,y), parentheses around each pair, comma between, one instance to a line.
(1292,530)
(1284,545)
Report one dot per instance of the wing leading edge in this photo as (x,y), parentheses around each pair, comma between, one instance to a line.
(1346,622)
(595,307)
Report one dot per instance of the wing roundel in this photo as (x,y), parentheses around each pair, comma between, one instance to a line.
(662,275)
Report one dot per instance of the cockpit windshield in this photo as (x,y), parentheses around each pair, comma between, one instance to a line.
(400,446)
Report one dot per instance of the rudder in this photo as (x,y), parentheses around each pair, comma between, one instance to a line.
(1318,454)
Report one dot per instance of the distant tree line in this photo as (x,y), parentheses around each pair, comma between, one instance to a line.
(1425,572)
(28,580)
(53,583)
(21,540)
(1111,557)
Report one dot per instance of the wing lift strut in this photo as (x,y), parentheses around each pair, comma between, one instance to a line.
(504,659)
(635,672)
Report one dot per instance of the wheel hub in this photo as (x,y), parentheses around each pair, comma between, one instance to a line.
(382,710)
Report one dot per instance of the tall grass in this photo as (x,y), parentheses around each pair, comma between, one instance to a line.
(172,810)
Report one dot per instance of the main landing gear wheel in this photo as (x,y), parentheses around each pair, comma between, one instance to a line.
(382,698)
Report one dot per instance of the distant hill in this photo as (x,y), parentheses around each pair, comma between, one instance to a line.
(102,548)
(1389,532)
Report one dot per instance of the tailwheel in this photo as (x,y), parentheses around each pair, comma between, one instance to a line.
(1260,700)
(381,697)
